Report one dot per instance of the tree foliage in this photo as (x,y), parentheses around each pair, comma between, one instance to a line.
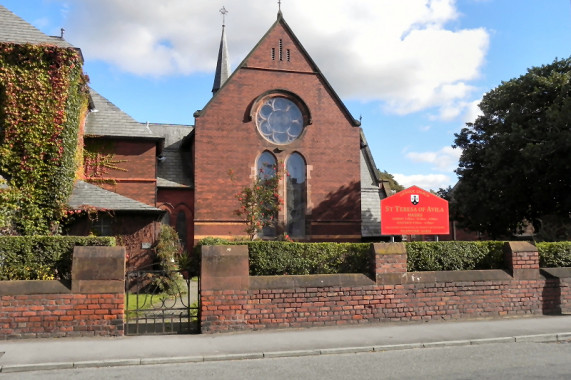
(515,166)
(386,176)
(260,204)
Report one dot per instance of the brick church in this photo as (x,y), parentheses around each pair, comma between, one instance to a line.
(275,114)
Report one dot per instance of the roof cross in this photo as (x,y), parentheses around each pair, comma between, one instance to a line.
(279,5)
(223,11)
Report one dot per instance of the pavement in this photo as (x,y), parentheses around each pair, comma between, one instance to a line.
(61,353)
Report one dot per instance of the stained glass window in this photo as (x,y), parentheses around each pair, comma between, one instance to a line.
(279,120)
(296,198)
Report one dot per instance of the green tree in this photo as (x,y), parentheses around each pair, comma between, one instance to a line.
(515,166)
(260,204)
(386,176)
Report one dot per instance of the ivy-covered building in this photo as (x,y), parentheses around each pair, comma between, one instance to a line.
(275,110)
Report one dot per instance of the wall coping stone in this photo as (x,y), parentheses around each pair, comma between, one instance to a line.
(389,248)
(521,246)
(562,272)
(310,281)
(443,276)
(29,287)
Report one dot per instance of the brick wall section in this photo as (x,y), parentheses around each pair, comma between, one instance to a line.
(61,315)
(92,306)
(135,176)
(325,300)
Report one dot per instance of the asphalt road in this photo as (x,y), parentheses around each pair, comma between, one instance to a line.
(491,361)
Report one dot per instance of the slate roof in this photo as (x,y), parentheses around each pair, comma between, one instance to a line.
(106,119)
(85,194)
(15,29)
(173,166)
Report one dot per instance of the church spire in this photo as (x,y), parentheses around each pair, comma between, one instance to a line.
(223,64)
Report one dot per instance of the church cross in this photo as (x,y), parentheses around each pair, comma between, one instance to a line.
(223,11)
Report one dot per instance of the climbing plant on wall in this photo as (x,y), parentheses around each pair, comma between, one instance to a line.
(43,101)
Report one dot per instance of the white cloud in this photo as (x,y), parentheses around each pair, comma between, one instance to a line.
(424,181)
(472,111)
(446,159)
(398,53)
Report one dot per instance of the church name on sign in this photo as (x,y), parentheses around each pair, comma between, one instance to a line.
(415,209)
(414,212)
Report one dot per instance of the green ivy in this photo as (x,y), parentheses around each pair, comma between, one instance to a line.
(43,100)
(42,257)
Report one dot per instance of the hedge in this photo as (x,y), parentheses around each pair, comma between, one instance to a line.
(42,257)
(281,258)
(303,258)
(454,255)
(554,255)
(274,258)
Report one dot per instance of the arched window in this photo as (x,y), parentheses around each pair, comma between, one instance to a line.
(166,219)
(181,227)
(296,198)
(266,165)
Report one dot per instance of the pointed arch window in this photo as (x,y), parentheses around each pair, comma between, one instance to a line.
(296,197)
(266,168)
(266,165)
(181,227)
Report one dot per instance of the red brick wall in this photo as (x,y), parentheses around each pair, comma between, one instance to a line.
(340,305)
(226,139)
(93,305)
(58,315)
(135,176)
(174,201)
(131,231)
(306,301)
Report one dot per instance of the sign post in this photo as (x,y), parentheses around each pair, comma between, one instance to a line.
(414,212)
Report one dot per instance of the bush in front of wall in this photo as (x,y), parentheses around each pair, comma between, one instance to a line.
(454,255)
(42,257)
(554,255)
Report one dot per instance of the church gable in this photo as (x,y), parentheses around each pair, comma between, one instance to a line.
(277,110)
(279,49)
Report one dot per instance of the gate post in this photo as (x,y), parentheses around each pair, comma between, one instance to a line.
(98,270)
(224,285)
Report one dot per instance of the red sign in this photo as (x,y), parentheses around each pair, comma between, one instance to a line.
(414,212)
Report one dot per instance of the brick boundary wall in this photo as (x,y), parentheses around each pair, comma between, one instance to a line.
(231,300)
(93,304)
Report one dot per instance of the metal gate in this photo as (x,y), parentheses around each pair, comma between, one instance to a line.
(161,302)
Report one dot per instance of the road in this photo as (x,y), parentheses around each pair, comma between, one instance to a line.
(491,361)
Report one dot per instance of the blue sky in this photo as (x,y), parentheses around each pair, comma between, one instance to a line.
(414,70)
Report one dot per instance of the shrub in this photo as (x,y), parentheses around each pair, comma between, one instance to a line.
(168,248)
(454,255)
(280,258)
(553,255)
(268,258)
(42,257)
